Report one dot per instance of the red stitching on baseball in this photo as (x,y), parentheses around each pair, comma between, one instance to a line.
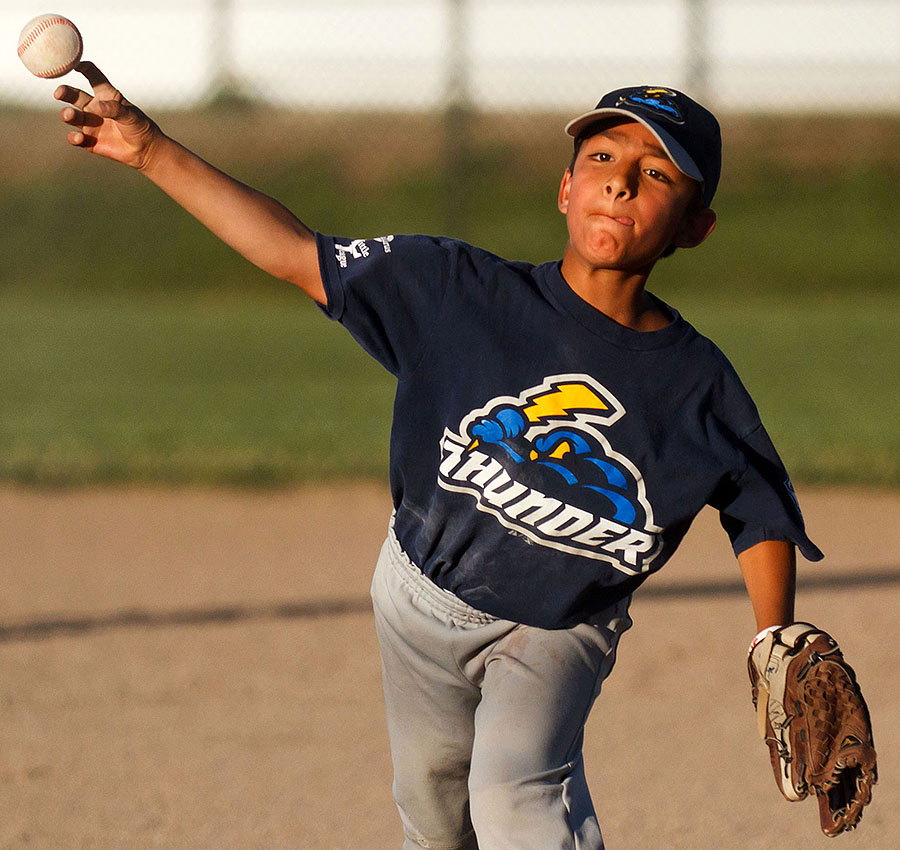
(34,33)
(29,39)
(32,36)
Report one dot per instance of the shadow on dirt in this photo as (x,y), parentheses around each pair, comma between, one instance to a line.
(41,629)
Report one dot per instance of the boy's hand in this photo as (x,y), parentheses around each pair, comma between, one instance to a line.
(105,122)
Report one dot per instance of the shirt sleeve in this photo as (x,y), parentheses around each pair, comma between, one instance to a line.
(387,292)
(758,502)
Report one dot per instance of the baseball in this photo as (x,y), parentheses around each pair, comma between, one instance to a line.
(50,46)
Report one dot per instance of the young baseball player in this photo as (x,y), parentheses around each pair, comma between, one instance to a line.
(556,430)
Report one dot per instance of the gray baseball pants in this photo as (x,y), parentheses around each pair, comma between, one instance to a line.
(486,717)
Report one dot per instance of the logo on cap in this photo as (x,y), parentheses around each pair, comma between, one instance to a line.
(660,103)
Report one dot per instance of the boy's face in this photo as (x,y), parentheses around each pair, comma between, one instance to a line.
(625,201)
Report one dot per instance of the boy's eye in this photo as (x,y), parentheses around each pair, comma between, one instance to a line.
(657,175)
(602,157)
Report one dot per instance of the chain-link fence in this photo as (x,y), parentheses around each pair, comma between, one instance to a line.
(494,55)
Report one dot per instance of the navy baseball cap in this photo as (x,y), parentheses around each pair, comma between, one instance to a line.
(688,132)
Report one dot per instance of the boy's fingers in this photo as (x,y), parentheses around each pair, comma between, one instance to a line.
(85,103)
(77,118)
(99,83)
(79,139)
(69,94)
(106,109)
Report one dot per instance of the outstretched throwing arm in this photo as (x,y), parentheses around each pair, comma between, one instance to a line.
(255,225)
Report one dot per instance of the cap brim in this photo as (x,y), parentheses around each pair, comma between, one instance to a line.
(683,161)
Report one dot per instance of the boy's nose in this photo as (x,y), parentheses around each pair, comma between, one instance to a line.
(620,184)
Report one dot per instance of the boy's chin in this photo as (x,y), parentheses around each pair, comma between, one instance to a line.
(618,261)
(605,252)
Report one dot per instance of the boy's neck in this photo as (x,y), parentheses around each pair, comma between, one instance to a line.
(618,294)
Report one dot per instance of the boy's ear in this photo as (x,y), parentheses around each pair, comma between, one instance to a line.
(563,200)
(694,228)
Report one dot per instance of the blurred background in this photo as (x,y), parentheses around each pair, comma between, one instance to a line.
(137,349)
(495,55)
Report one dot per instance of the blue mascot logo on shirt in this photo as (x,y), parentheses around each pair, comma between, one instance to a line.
(541,465)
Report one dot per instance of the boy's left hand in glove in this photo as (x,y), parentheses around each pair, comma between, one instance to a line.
(814,719)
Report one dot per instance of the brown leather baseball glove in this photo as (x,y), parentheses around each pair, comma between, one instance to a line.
(815,721)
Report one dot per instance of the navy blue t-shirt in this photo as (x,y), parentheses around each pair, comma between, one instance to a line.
(545,459)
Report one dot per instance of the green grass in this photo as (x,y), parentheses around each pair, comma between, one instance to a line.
(823,372)
(135,348)
(261,391)
(802,235)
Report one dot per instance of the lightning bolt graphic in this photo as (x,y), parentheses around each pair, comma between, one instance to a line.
(562,401)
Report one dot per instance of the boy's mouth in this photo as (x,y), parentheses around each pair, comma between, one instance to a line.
(624,220)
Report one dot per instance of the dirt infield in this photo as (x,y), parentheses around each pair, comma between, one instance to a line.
(199,670)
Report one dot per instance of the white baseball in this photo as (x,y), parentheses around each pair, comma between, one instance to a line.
(50,46)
